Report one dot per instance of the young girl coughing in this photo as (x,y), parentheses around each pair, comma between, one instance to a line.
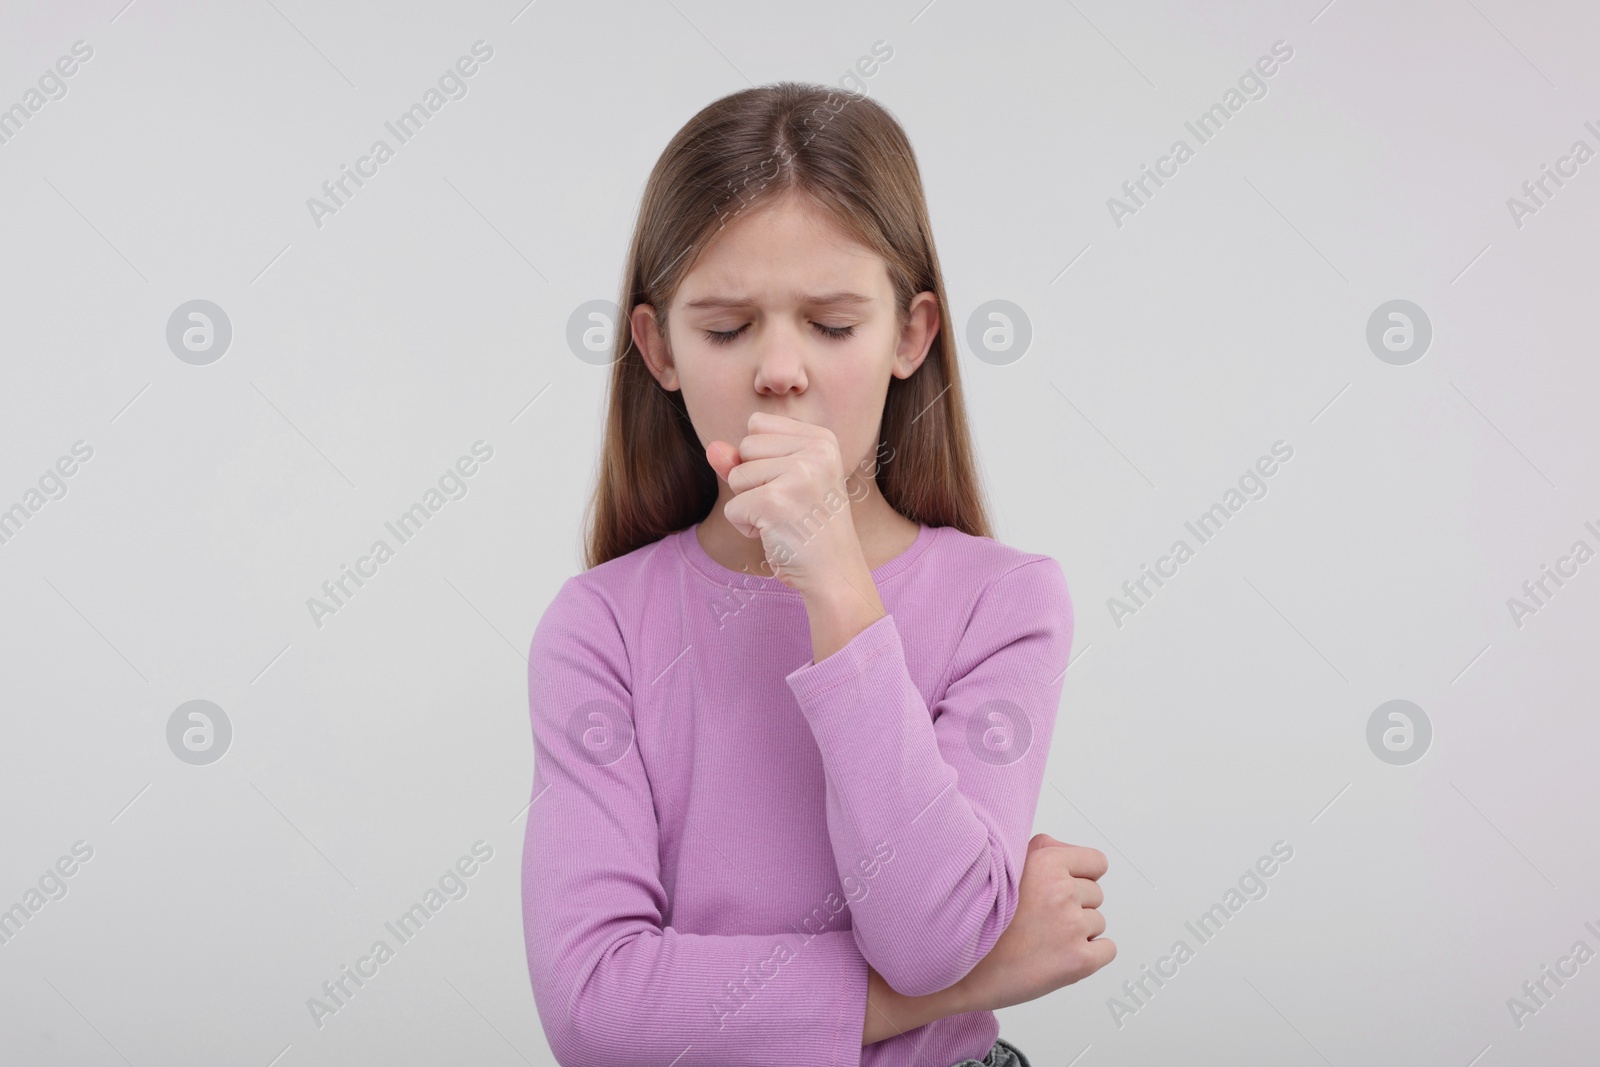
(791,724)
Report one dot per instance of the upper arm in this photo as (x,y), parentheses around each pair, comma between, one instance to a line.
(590,875)
(996,717)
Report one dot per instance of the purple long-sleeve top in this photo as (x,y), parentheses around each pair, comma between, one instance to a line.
(724,834)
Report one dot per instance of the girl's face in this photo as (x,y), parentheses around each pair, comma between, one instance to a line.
(787,314)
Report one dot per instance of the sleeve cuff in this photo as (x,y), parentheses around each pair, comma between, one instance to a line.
(852,983)
(812,680)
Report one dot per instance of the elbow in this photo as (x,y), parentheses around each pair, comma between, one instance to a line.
(922,977)
(572,1012)
(916,964)
(557,1023)
(591,1048)
(565,1045)
(921,969)
(576,1035)
(562,1027)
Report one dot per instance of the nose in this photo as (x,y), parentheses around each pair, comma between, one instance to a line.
(780,362)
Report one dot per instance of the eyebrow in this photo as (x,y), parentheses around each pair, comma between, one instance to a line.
(841,297)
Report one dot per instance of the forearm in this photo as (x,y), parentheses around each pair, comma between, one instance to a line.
(892,785)
(890,1014)
(732,998)
(950,788)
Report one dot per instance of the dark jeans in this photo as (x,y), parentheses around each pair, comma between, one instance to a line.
(1001,1054)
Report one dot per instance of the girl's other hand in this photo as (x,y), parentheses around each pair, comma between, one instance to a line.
(1054,937)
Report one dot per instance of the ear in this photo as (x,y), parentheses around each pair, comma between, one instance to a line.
(922,326)
(652,346)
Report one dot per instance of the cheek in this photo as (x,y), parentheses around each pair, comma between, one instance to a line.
(853,407)
(859,381)
(718,403)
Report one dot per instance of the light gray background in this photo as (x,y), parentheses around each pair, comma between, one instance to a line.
(1167,355)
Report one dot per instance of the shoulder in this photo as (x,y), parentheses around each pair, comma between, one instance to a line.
(1003,600)
(598,604)
(620,580)
(981,565)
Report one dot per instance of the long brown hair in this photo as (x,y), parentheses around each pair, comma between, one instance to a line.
(848,154)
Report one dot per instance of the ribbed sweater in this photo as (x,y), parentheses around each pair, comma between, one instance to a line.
(724,834)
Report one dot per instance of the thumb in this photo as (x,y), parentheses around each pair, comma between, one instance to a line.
(723,457)
(1039,841)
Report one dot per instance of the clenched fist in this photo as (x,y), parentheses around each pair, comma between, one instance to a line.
(1054,938)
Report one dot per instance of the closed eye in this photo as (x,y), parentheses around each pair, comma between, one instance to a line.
(724,337)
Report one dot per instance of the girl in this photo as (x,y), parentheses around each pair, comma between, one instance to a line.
(791,723)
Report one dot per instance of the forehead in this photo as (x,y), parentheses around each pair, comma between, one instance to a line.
(790,250)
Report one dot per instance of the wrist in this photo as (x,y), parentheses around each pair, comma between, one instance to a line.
(836,589)
(839,609)
(956,1000)
(890,1013)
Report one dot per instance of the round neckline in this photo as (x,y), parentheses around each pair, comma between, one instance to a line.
(696,556)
